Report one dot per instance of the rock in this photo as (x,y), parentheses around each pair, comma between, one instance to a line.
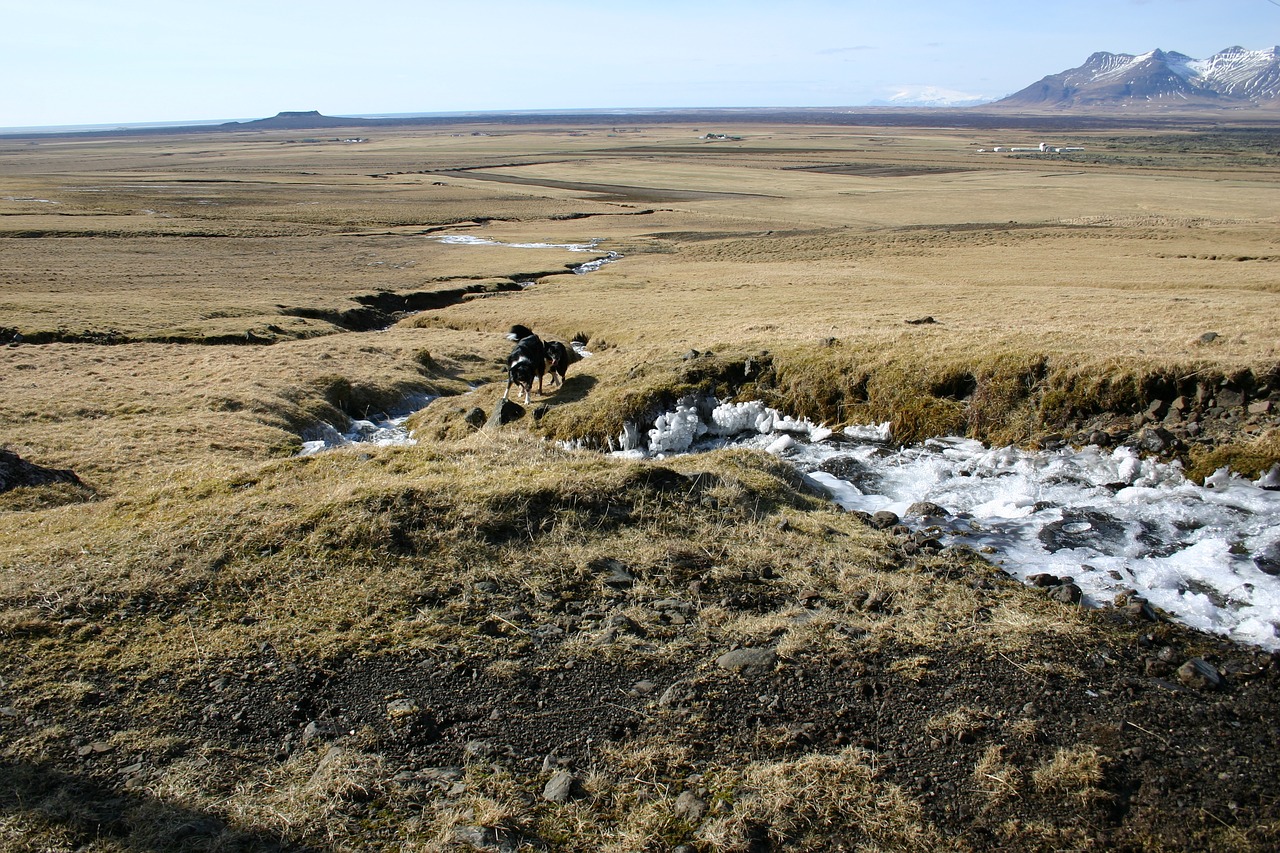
(320,730)
(1261,407)
(922,321)
(924,509)
(1052,441)
(1199,674)
(559,787)
(399,709)
(690,355)
(16,471)
(617,625)
(325,769)
(851,470)
(475,416)
(1270,480)
(504,413)
(484,749)
(1067,593)
(749,662)
(1082,528)
(614,571)
(1268,559)
(1100,438)
(884,519)
(1044,580)
(1229,398)
(675,695)
(690,807)
(1155,440)
(1156,409)
(478,837)
(1209,337)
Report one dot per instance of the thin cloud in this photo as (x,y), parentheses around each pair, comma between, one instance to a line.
(831,51)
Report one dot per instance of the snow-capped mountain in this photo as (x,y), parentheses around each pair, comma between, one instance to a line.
(1232,78)
(929,96)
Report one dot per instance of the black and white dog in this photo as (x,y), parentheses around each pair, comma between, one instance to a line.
(559,357)
(527,362)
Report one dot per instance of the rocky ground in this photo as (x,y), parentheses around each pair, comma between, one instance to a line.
(1135,735)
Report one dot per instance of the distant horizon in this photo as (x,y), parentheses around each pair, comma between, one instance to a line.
(141,125)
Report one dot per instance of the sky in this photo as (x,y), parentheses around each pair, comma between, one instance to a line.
(79,62)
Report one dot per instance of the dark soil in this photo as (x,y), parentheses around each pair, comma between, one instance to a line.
(1185,766)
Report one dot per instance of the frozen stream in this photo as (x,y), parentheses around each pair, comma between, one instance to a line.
(580,269)
(1111,521)
(381,429)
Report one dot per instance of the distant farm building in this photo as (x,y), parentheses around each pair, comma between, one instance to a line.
(1042,148)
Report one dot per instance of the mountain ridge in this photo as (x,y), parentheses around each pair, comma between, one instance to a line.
(1234,78)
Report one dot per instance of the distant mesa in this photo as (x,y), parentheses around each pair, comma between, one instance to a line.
(296,120)
(1234,78)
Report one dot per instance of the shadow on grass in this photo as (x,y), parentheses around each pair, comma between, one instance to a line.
(575,388)
(41,800)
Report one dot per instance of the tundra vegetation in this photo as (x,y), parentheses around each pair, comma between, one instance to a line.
(502,637)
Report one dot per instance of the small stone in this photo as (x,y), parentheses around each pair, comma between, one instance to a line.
(478,837)
(504,413)
(749,662)
(399,709)
(924,509)
(1268,559)
(475,416)
(1067,593)
(1199,674)
(559,787)
(1261,407)
(1209,337)
(690,807)
(1156,440)
(1141,609)
(675,696)
(1044,579)
(884,519)
(614,571)
(1230,398)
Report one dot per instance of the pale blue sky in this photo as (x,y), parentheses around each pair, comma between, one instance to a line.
(105,61)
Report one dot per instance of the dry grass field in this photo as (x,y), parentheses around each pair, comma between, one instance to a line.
(210,643)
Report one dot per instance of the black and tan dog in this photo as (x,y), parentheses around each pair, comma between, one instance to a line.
(526,363)
(559,357)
